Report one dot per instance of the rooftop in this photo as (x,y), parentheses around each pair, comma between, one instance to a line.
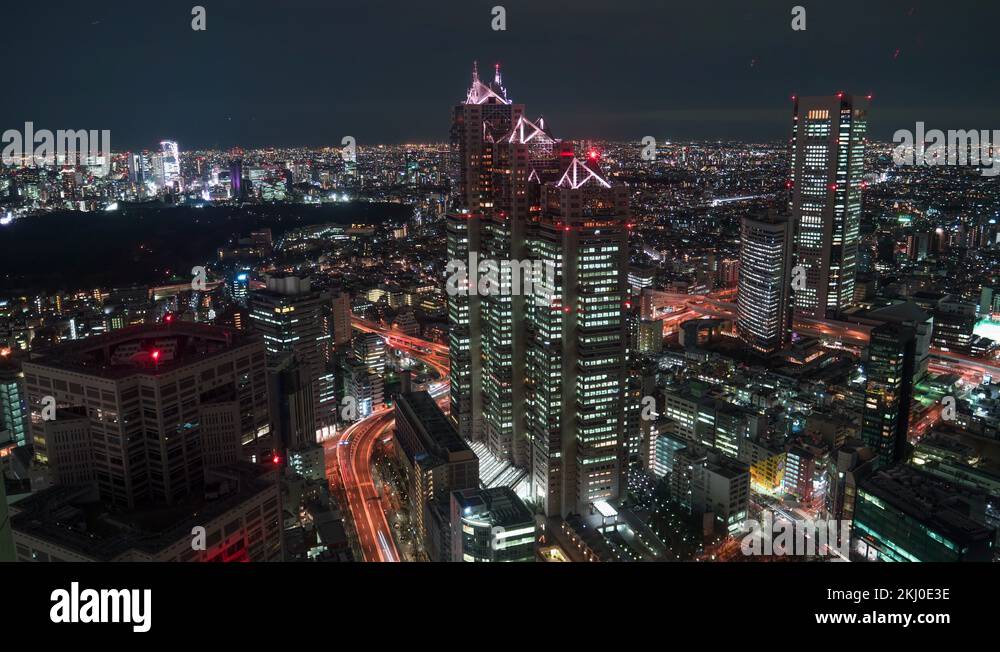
(927,499)
(146,348)
(71,517)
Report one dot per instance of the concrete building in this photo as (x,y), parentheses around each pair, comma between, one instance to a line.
(435,460)
(66,446)
(903,514)
(491,525)
(152,394)
(239,512)
(340,311)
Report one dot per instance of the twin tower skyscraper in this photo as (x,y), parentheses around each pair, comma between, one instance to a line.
(539,375)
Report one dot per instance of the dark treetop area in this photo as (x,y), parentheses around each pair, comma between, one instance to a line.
(149,244)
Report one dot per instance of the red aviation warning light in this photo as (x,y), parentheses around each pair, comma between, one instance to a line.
(593,155)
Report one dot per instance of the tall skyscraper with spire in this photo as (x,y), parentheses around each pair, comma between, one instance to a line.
(539,376)
(525,159)
(478,123)
(577,336)
(828,149)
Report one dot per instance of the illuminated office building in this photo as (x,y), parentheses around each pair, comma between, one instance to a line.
(888,391)
(483,118)
(762,299)
(491,525)
(524,159)
(577,342)
(289,314)
(828,147)
(522,196)
(239,288)
(171,161)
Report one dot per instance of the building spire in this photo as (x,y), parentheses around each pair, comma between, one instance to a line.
(496,76)
(475,72)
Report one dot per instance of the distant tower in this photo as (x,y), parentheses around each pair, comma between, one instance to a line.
(236,178)
(171,164)
(828,149)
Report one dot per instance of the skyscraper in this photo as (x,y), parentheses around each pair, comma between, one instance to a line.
(577,341)
(888,392)
(764,282)
(539,374)
(478,123)
(171,159)
(289,314)
(524,159)
(828,147)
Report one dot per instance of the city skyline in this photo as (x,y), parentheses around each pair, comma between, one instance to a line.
(510,345)
(252,85)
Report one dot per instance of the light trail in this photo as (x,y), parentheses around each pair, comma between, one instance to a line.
(354,449)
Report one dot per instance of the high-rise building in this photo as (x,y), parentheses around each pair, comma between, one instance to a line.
(171,161)
(577,342)
(828,147)
(369,350)
(524,159)
(236,178)
(340,310)
(239,287)
(289,314)
(150,392)
(291,397)
(522,197)
(479,123)
(648,336)
(365,387)
(763,296)
(888,391)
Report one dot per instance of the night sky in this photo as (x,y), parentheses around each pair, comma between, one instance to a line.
(297,72)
